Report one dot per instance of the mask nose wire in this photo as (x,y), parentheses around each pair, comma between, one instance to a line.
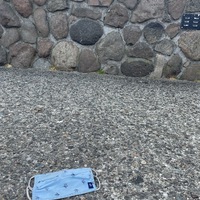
(96,176)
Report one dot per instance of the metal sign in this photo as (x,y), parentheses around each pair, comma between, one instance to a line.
(191,21)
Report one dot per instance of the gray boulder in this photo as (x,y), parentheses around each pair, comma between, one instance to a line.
(88,61)
(172,30)
(173,67)
(44,46)
(137,67)
(59,25)
(148,9)
(10,36)
(23,7)
(21,55)
(86,13)
(64,56)
(41,64)
(131,34)
(193,6)
(117,16)
(40,17)
(189,42)
(153,32)
(166,47)
(111,47)
(140,50)
(28,32)
(176,8)
(86,32)
(7,16)
(192,72)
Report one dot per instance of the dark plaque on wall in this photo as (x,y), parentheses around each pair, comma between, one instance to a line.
(190,21)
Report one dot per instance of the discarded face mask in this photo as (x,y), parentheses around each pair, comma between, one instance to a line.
(62,184)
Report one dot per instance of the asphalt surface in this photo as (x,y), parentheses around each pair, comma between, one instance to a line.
(141,136)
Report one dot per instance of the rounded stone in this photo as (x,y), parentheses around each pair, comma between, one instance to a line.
(59,25)
(23,7)
(140,50)
(86,13)
(193,6)
(189,43)
(8,18)
(86,32)
(148,9)
(41,22)
(192,72)
(172,30)
(111,67)
(21,55)
(117,16)
(64,56)
(44,46)
(10,37)
(137,67)
(131,34)
(153,32)
(41,64)
(165,47)
(28,32)
(111,47)
(88,61)
(172,67)
(176,8)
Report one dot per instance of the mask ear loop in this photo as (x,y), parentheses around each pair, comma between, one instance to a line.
(99,183)
(27,193)
(94,171)
(29,183)
(29,188)
(95,176)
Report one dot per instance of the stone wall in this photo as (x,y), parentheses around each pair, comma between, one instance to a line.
(130,37)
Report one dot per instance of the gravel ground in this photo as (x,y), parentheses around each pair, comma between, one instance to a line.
(142,136)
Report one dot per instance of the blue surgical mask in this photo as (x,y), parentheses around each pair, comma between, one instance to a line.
(62,184)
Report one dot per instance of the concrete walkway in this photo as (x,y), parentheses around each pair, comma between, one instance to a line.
(141,136)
